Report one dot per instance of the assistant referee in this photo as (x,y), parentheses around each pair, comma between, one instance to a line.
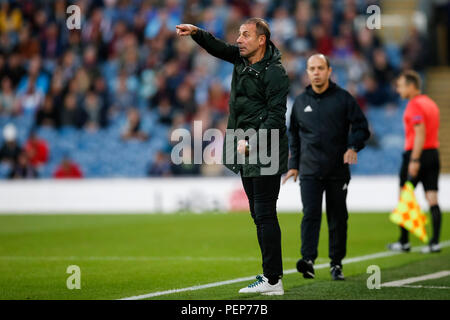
(421,157)
(321,151)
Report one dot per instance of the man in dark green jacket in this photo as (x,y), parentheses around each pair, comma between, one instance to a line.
(256,143)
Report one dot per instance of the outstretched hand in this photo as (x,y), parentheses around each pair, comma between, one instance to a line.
(186,29)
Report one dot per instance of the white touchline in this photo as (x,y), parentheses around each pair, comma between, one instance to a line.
(399,283)
(425,287)
(135,258)
(319,266)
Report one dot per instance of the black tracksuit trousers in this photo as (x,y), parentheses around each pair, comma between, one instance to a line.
(262,193)
(312,190)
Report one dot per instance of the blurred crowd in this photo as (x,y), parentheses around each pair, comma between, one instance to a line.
(126,61)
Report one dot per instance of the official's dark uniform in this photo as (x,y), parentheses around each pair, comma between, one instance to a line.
(257,101)
(319,135)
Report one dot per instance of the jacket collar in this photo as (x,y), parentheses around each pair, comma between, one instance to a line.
(271,55)
(331,87)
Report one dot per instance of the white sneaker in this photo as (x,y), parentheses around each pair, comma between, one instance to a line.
(262,285)
(435,247)
(397,246)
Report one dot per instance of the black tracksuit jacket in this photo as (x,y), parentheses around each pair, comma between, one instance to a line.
(322,128)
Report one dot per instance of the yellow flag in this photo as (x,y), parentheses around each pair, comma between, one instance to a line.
(408,213)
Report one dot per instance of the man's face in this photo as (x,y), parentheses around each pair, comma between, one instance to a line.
(249,41)
(318,71)
(403,88)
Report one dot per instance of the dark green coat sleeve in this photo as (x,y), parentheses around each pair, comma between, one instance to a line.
(216,47)
(294,141)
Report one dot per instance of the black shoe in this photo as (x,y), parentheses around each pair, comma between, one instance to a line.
(336,273)
(306,267)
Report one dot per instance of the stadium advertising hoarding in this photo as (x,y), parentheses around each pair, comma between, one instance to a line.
(171,195)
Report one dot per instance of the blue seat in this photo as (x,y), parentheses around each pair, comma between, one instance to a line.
(393,54)
(5,168)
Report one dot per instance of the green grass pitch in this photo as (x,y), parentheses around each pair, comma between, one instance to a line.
(127,255)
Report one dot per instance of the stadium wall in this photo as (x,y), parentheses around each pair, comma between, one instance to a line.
(169,195)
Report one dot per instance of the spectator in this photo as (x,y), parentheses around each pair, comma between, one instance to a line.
(211,21)
(123,96)
(165,18)
(101,90)
(90,62)
(115,45)
(185,101)
(40,21)
(384,73)
(59,16)
(10,18)
(15,69)
(218,98)
(69,66)
(300,43)
(133,127)
(31,98)
(36,150)
(211,167)
(83,82)
(46,115)
(375,94)
(165,111)
(68,169)
(160,166)
(282,25)
(303,12)
(367,43)
(352,88)
(51,44)
(10,150)
(36,76)
(187,167)
(3,71)
(6,43)
(71,114)
(23,169)
(74,42)
(322,41)
(92,106)
(341,49)
(95,27)
(27,46)
(415,51)
(7,98)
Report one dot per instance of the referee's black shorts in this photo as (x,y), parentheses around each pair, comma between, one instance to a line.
(428,172)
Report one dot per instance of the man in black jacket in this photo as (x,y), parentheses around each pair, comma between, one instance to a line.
(259,89)
(321,151)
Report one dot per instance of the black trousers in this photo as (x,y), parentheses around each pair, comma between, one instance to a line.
(262,193)
(337,215)
(429,176)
